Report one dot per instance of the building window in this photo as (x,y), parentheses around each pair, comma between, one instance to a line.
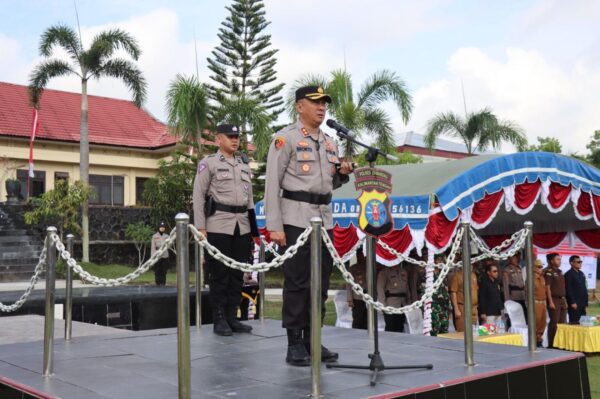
(35,185)
(61,176)
(139,189)
(107,190)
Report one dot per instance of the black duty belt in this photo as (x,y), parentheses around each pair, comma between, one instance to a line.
(231,208)
(398,295)
(515,288)
(305,196)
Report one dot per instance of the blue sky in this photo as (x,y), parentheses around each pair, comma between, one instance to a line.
(533,62)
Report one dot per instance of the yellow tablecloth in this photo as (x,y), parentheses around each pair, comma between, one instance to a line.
(503,339)
(577,338)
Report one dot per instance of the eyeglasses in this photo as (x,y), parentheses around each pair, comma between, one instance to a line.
(577,261)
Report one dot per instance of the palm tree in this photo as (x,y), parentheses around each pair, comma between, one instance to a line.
(187,108)
(94,62)
(479,130)
(361,113)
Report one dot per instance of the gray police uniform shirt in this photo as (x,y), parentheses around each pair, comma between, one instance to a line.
(513,283)
(229,182)
(297,163)
(157,240)
(393,280)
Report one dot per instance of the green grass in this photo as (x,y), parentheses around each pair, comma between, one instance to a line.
(273,311)
(274,279)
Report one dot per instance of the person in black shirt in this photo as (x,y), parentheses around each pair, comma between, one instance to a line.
(577,295)
(491,301)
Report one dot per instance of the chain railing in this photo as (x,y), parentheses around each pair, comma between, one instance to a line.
(39,268)
(357,288)
(112,282)
(247,267)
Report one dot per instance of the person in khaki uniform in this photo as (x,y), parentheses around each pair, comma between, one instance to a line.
(224,213)
(161,266)
(556,293)
(513,283)
(393,290)
(541,298)
(303,168)
(457,299)
(355,302)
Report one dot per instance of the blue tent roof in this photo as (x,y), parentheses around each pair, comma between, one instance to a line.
(458,184)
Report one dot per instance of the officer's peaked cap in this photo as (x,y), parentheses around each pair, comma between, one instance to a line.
(313,93)
(229,130)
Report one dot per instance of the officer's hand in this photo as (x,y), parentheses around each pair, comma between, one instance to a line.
(350,304)
(346,168)
(457,312)
(203,231)
(574,305)
(278,237)
(551,306)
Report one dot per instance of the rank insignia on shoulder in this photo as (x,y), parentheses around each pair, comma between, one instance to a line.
(304,132)
(279,142)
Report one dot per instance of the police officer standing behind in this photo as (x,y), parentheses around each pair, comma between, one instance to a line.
(224,213)
(393,290)
(557,303)
(303,168)
(161,266)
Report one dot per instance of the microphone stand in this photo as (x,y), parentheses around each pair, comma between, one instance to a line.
(376,365)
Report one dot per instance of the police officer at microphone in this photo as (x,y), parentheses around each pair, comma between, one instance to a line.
(303,168)
(224,213)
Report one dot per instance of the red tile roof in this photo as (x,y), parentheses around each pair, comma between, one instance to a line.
(111,121)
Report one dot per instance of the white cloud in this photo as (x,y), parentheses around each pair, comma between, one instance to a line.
(523,87)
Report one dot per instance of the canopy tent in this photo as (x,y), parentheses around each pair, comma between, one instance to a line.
(495,193)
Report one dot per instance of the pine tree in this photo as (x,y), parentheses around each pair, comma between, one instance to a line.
(243,65)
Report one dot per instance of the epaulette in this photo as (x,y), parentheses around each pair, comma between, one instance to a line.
(211,156)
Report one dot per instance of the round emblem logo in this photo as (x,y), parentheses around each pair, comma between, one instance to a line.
(375,213)
(305,167)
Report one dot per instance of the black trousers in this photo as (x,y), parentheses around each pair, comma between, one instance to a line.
(575,314)
(160,271)
(225,282)
(394,322)
(296,280)
(359,314)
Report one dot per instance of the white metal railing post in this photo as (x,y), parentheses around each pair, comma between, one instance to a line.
(468,299)
(183,305)
(49,309)
(69,293)
(315,305)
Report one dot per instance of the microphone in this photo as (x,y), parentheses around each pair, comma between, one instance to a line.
(336,126)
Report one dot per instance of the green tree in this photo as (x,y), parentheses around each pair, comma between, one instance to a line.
(187,108)
(404,157)
(141,234)
(361,113)
(545,144)
(60,207)
(478,131)
(243,64)
(97,61)
(594,147)
(170,191)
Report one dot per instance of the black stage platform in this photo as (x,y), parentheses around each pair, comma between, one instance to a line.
(133,307)
(143,364)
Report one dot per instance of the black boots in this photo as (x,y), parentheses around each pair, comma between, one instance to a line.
(296,354)
(220,325)
(234,323)
(327,356)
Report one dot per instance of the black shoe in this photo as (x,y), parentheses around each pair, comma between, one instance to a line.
(327,356)
(235,324)
(220,325)
(296,353)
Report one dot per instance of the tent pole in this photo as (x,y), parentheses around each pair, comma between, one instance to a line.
(532,342)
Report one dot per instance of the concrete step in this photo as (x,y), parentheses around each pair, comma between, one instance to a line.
(23,245)
(25,239)
(19,262)
(18,275)
(4,254)
(13,232)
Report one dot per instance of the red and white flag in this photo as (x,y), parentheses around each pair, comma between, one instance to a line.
(34,128)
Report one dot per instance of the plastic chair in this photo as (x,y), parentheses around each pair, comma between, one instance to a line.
(414,319)
(518,325)
(343,312)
